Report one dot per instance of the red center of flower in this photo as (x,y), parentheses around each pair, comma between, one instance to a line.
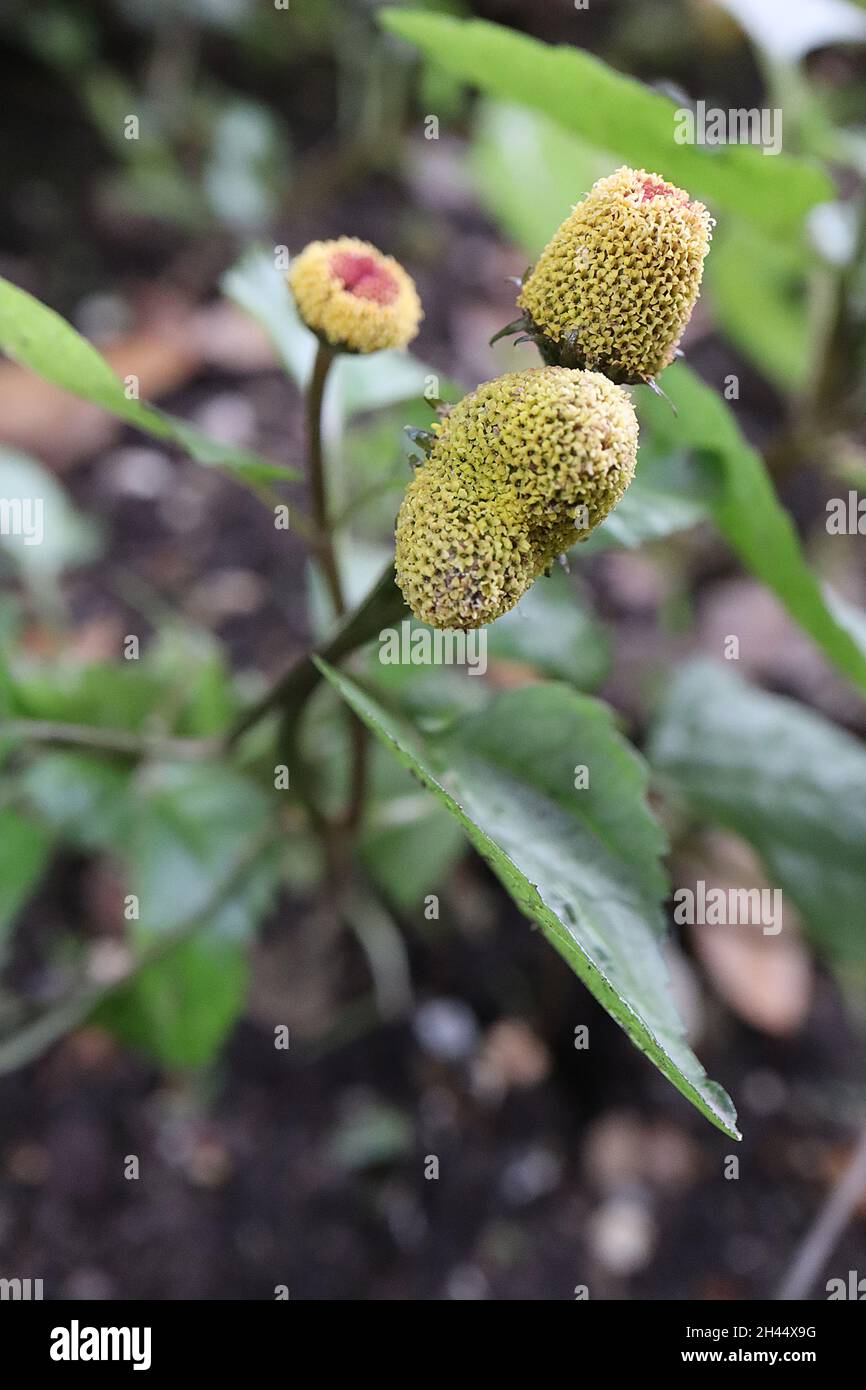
(365,277)
(651,189)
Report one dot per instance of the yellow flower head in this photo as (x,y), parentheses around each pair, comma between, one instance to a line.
(519,470)
(353,297)
(614,288)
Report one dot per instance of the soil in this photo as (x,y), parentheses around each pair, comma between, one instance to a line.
(311,1168)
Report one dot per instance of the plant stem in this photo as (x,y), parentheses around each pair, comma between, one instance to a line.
(328,560)
(820,1241)
(109,740)
(318,485)
(383,605)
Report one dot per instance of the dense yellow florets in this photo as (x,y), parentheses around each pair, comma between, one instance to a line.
(521,469)
(353,297)
(614,288)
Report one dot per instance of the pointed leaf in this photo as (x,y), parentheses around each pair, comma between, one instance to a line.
(36,337)
(617,114)
(583,864)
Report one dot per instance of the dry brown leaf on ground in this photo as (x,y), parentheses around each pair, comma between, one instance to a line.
(765,976)
(505,674)
(172,341)
(44,421)
(512,1057)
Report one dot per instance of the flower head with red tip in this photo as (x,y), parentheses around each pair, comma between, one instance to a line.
(353,297)
(615,286)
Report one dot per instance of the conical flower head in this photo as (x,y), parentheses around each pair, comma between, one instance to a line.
(520,469)
(614,288)
(353,297)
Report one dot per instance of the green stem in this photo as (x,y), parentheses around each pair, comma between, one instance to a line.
(383,605)
(108,740)
(318,484)
(328,559)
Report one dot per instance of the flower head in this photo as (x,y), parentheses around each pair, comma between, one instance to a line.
(519,470)
(353,297)
(615,286)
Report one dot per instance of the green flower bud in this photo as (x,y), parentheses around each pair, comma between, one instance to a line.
(520,469)
(614,288)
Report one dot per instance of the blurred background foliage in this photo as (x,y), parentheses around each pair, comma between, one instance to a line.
(260,127)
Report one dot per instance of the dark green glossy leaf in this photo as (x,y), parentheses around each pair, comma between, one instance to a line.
(584,864)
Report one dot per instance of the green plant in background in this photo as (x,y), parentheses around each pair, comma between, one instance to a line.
(178,775)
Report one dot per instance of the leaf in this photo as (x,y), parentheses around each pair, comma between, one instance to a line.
(25,848)
(101,696)
(409,844)
(785,779)
(191,827)
(670,492)
(256,286)
(191,822)
(616,114)
(193,1018)
(530,171)
(585,865)
(759,290)
(555,633)
(36,337)
(182,681)
(79,796)
(193,669)
(747,511)
(181,1008)
(55,536)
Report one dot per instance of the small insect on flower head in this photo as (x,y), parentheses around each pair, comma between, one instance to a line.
(353,297)
(615,286)
(519,470)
